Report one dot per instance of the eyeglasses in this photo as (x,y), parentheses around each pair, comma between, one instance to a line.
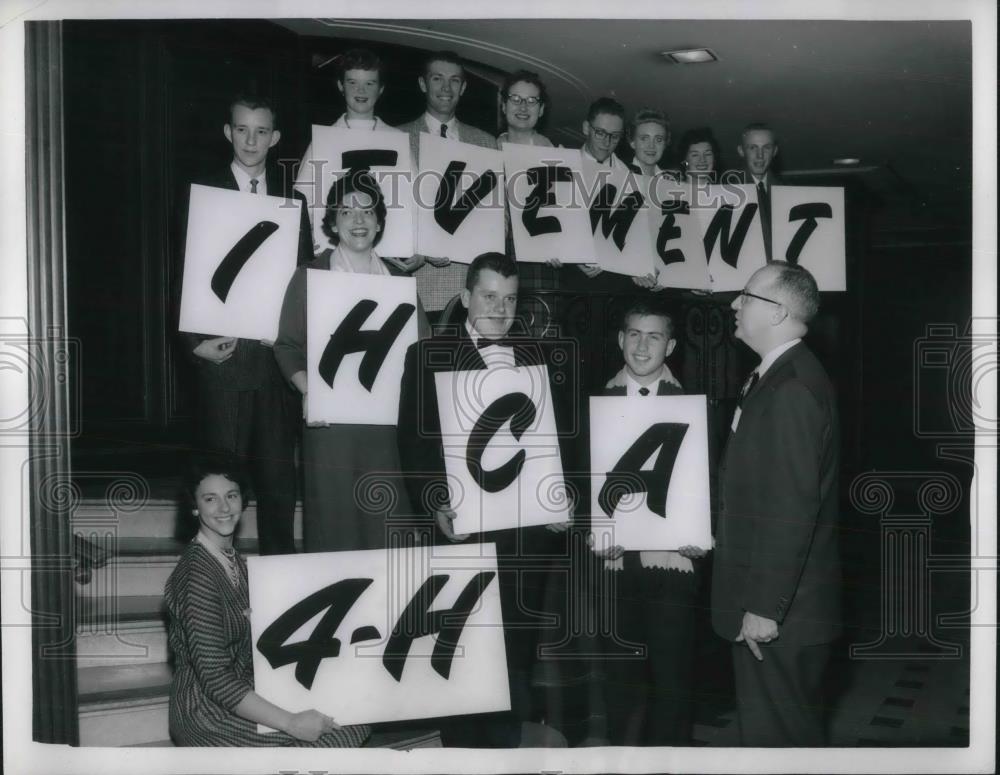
(745,292)
(600,134)
(518,100)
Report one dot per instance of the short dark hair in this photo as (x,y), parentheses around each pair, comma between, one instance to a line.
(649,307)
(758,126)
(606,105)
(701,134)
(442,56)
(253,102)
(500,263)
(358,59)
(362,182)
(204,464)
(796,284)
(646,116)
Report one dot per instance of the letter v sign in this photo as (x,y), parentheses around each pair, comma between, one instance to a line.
(449,216)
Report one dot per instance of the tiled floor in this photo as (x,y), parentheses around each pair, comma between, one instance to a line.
(885,703)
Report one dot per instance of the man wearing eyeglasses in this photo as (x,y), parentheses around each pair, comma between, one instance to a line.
(443,84)
(603,129)
(776,579)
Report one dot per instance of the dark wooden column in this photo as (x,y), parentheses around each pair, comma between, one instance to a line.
(53,669)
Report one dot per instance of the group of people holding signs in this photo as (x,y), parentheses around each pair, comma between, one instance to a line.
(471,520)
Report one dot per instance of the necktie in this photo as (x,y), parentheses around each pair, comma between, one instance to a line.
(253,185)
(748,386)
(444,130)
(644,391)
(484,342)
(761,190)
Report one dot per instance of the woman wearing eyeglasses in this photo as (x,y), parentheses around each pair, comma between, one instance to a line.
(522,105)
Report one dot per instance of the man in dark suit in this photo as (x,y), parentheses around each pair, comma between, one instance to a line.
(649,595)
(481,342)
(776,579)
(443,83)
(245,407)
(758,148)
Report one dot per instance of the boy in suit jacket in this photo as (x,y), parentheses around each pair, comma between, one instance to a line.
(245,407)
(443,84)
(482,343)
(776,576)
(650,594)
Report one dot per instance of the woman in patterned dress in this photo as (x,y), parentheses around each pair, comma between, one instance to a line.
(212,697)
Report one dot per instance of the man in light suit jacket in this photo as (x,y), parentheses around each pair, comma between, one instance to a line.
(245,406)
(443,84)
(776,579)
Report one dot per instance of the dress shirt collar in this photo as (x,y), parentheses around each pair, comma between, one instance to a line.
(434,126)
(492,356)
(243,179)
(632,387)
(774,354)
(612,161)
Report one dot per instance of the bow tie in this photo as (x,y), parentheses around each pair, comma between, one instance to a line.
(483,342)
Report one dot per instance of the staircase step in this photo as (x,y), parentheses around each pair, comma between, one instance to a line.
(115,684)
(141,722)
(95,520)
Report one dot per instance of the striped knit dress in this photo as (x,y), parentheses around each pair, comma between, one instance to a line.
(210,640)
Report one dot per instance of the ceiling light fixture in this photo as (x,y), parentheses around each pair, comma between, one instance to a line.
(847,161)
(689,56)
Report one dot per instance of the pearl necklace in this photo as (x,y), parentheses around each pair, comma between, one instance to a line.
(227,559)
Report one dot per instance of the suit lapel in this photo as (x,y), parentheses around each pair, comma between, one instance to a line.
(773,369)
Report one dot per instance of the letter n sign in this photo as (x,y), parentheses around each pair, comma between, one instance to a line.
(358,328)
(649,464)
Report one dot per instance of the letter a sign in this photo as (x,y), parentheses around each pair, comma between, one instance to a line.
(358,330)
(649,472)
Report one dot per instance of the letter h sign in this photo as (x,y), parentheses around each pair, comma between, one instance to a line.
(358,328)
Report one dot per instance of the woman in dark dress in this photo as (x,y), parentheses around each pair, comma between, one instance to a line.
(212,697)
(339,515)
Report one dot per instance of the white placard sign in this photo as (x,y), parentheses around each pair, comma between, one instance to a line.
(730,226)
(240,253)
(678,247)
(809,229)
(461,194)
(619,219)
(649,472)
(358,328)
(386,154)
(548,216)
(501,448)
(413,633)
